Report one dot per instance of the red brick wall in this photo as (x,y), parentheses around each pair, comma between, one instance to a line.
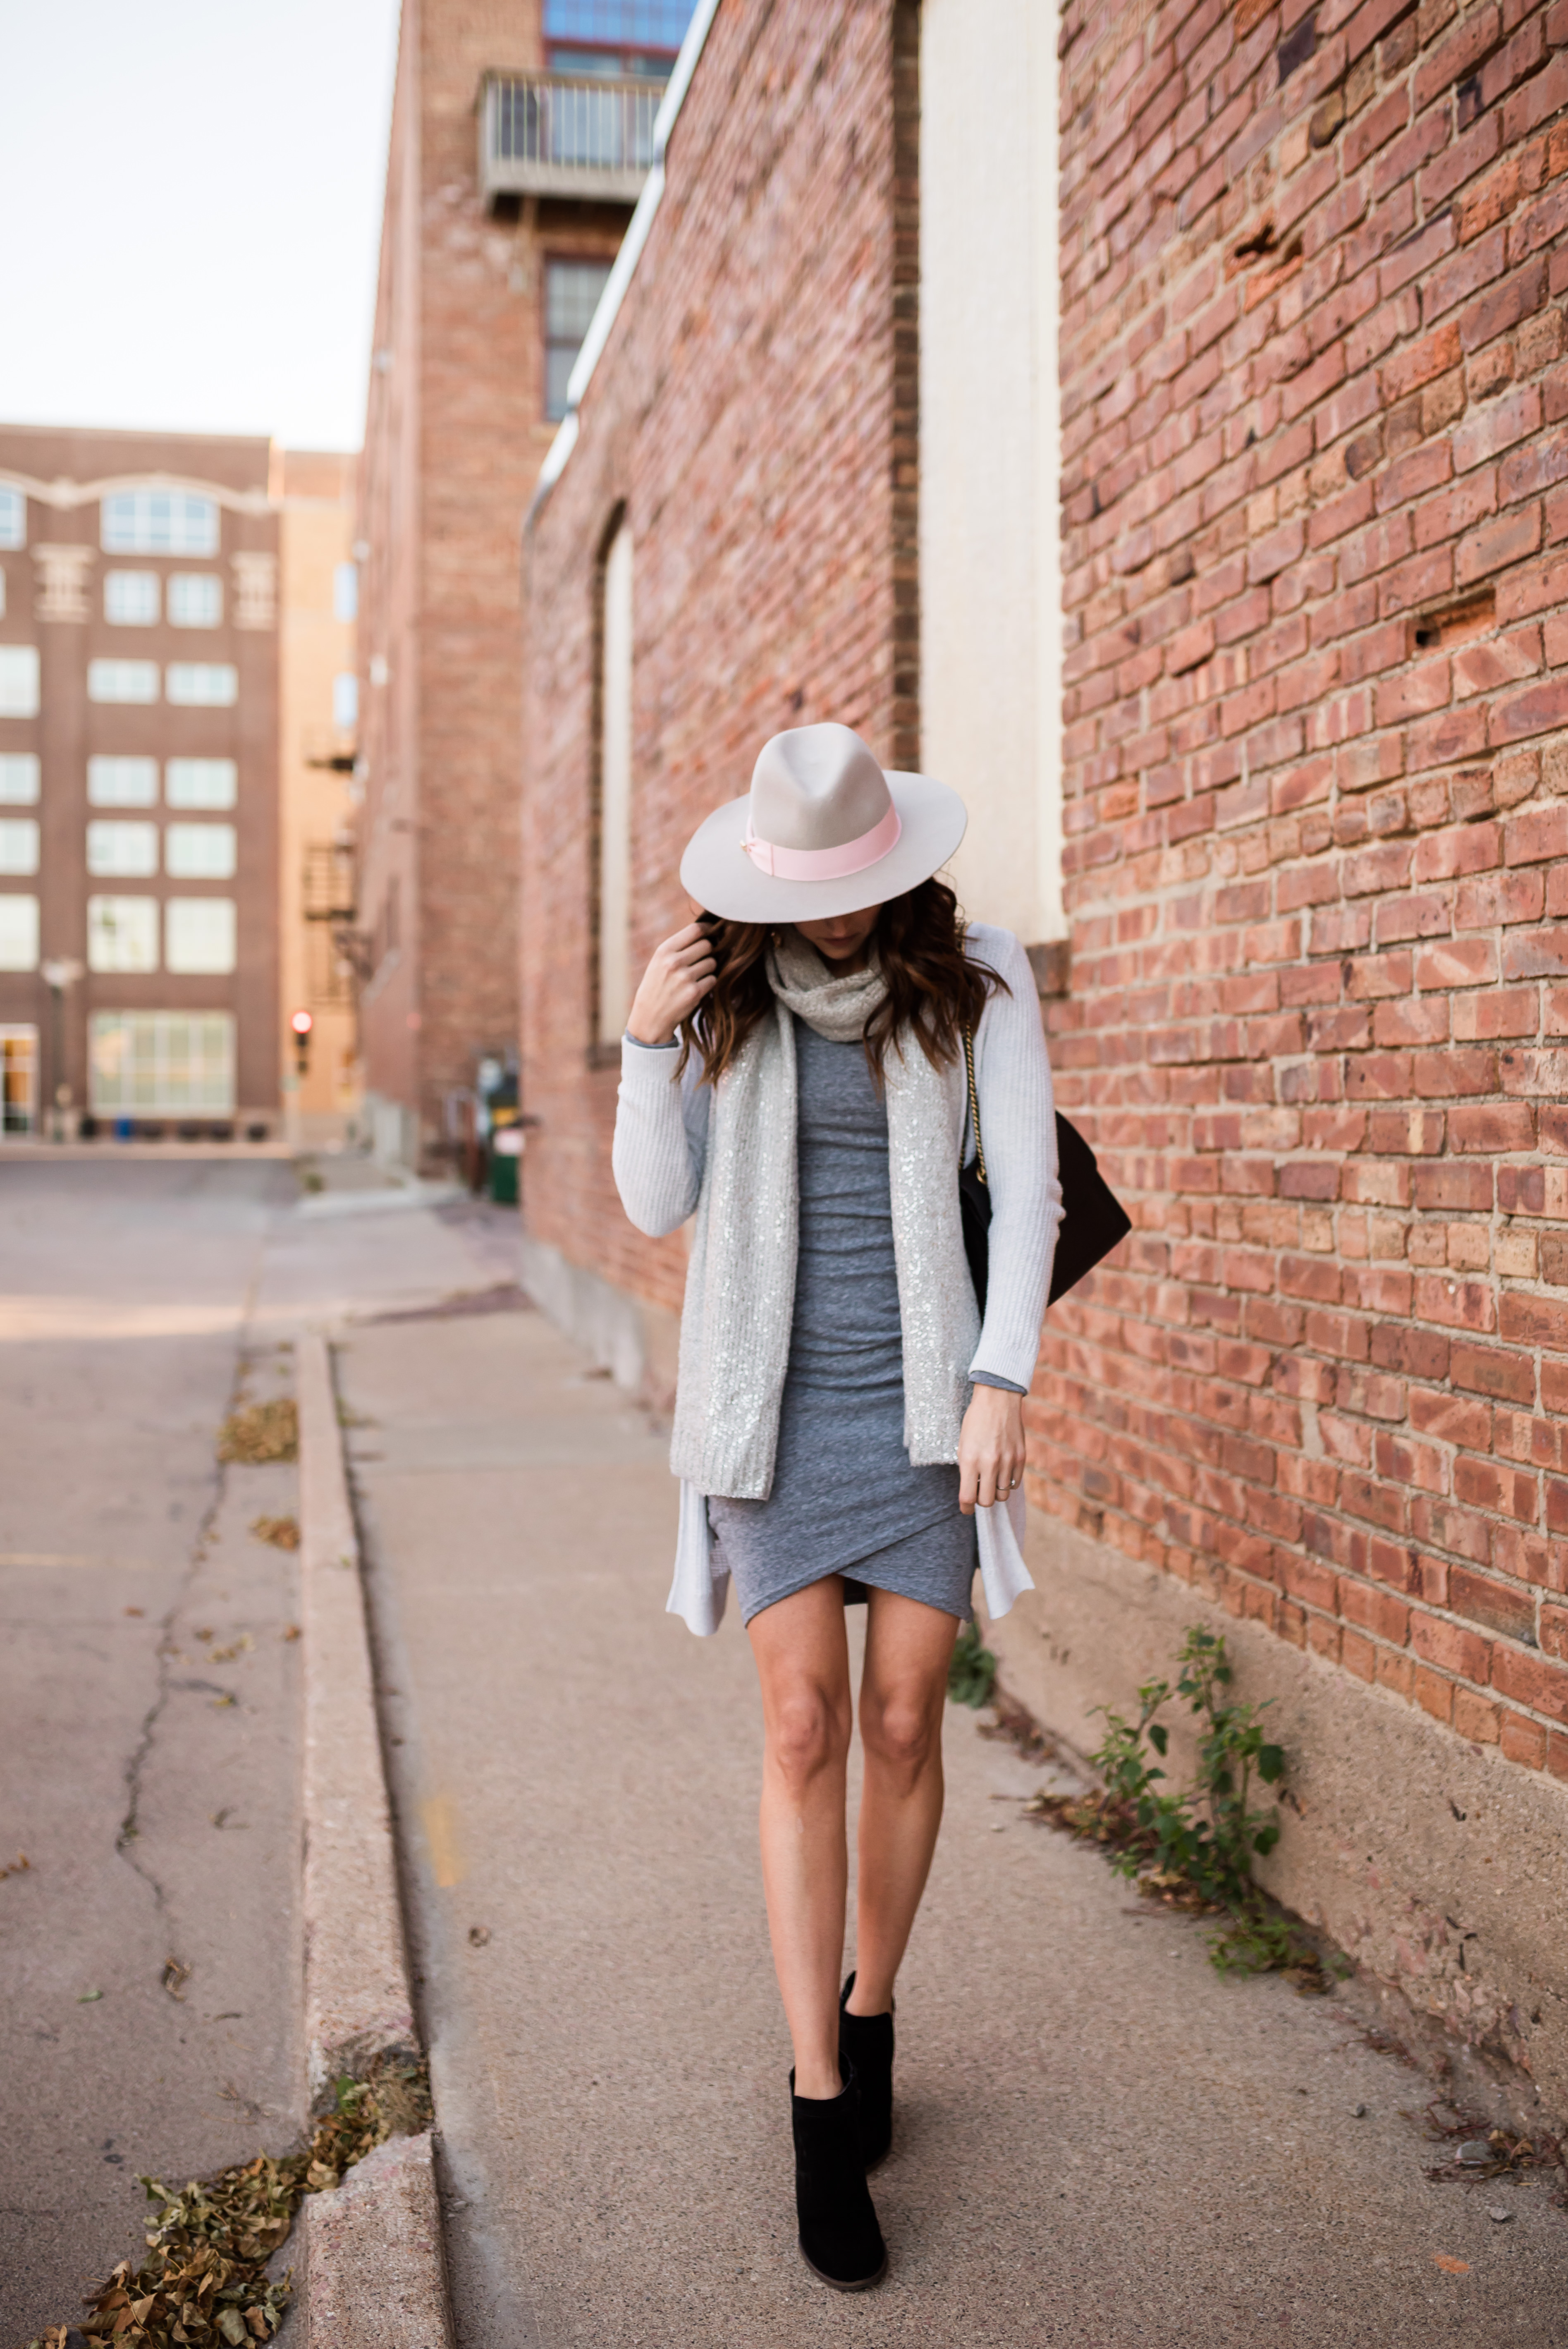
(455,436)
(1316,485)
(755,410)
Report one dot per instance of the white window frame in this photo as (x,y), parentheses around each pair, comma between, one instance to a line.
(110,917)
(154,521)
(131,683)
(181,591)
(614,875)
(19,680)
(121,850)
(18,846)
(346,590)
(19,779)
(346,701)
(201,685)
(18,930)
(13,517)
(199,783)
(122,781)
(125,587)
(184,919)
(161,1069)
(201,852)
(18,1058)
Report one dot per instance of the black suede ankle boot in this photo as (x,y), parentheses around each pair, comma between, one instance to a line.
(840,2237)
(865,2042)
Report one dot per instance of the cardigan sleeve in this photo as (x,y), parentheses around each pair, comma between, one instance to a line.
(661,1137)
(1018,1128)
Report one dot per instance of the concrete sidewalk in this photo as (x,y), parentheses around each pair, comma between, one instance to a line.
(1100,2141)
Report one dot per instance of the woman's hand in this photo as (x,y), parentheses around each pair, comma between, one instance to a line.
(675,982)
(990,1448)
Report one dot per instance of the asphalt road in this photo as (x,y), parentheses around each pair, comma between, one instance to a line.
(149,1690)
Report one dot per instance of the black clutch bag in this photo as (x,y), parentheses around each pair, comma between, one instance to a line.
(1093,1217)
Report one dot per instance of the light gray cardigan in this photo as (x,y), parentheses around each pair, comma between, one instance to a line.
(659,1158)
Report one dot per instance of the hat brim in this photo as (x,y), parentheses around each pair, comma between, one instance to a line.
(716,871)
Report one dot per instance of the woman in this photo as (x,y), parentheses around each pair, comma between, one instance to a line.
(794,1072)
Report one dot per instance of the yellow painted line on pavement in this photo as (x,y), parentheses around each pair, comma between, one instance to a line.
(440,1819)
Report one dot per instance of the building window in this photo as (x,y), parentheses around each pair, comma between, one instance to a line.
(122,782)
(131,598)
(122,934)
(19,779)
(202,685)
(19,933)
(122,680)
(572,290)
(19,845)
(13,517)
(630,37)
(199,852)
(161,1063)
(18,1079)
(346,701)
(200,783)
(198,933)
(195,599)
(613,988)
(159,521)
(2,595)
(122,852)
(19,680)
(345,592)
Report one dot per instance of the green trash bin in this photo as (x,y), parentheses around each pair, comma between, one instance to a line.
(505,1159)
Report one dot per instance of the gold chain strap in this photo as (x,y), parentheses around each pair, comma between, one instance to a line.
(974,1104)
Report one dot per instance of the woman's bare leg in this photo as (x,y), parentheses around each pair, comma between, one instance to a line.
(903,1689)
(803,1662)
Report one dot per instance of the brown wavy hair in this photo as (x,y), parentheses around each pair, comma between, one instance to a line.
(934,990)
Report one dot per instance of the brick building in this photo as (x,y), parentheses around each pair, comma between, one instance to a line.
(139,882)
(1290,844)
(521,139)
(317,743)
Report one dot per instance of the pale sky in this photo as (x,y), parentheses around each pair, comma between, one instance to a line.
(191,198)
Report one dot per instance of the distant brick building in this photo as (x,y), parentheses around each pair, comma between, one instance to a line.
(520,138)
(317,741)
(139,788)
(1288,840)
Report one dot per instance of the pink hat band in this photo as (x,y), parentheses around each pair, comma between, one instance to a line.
(824,864)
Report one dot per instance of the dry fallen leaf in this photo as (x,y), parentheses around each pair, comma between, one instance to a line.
(282,1532)
(291,1631)
(262,1432)
(176,1974)
(136,1611)
(1451,2266)
(16,1866)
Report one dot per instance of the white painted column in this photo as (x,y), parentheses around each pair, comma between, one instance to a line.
(990,450)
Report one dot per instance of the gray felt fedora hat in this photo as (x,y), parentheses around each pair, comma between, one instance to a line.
(823,831)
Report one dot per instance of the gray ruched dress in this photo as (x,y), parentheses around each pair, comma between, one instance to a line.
(845,1499)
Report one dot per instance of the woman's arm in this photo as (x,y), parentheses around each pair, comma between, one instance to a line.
(661,1127)
(1018,1128)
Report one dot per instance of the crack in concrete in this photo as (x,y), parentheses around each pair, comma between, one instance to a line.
(135,1768)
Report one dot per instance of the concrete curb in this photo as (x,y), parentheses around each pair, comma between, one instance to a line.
(357,1998)
(374,2271)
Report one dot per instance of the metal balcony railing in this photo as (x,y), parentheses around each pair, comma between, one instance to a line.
(545,135)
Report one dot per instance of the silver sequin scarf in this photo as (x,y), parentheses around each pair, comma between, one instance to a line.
(740,1282)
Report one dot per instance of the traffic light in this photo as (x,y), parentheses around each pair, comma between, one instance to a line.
(302,1023)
